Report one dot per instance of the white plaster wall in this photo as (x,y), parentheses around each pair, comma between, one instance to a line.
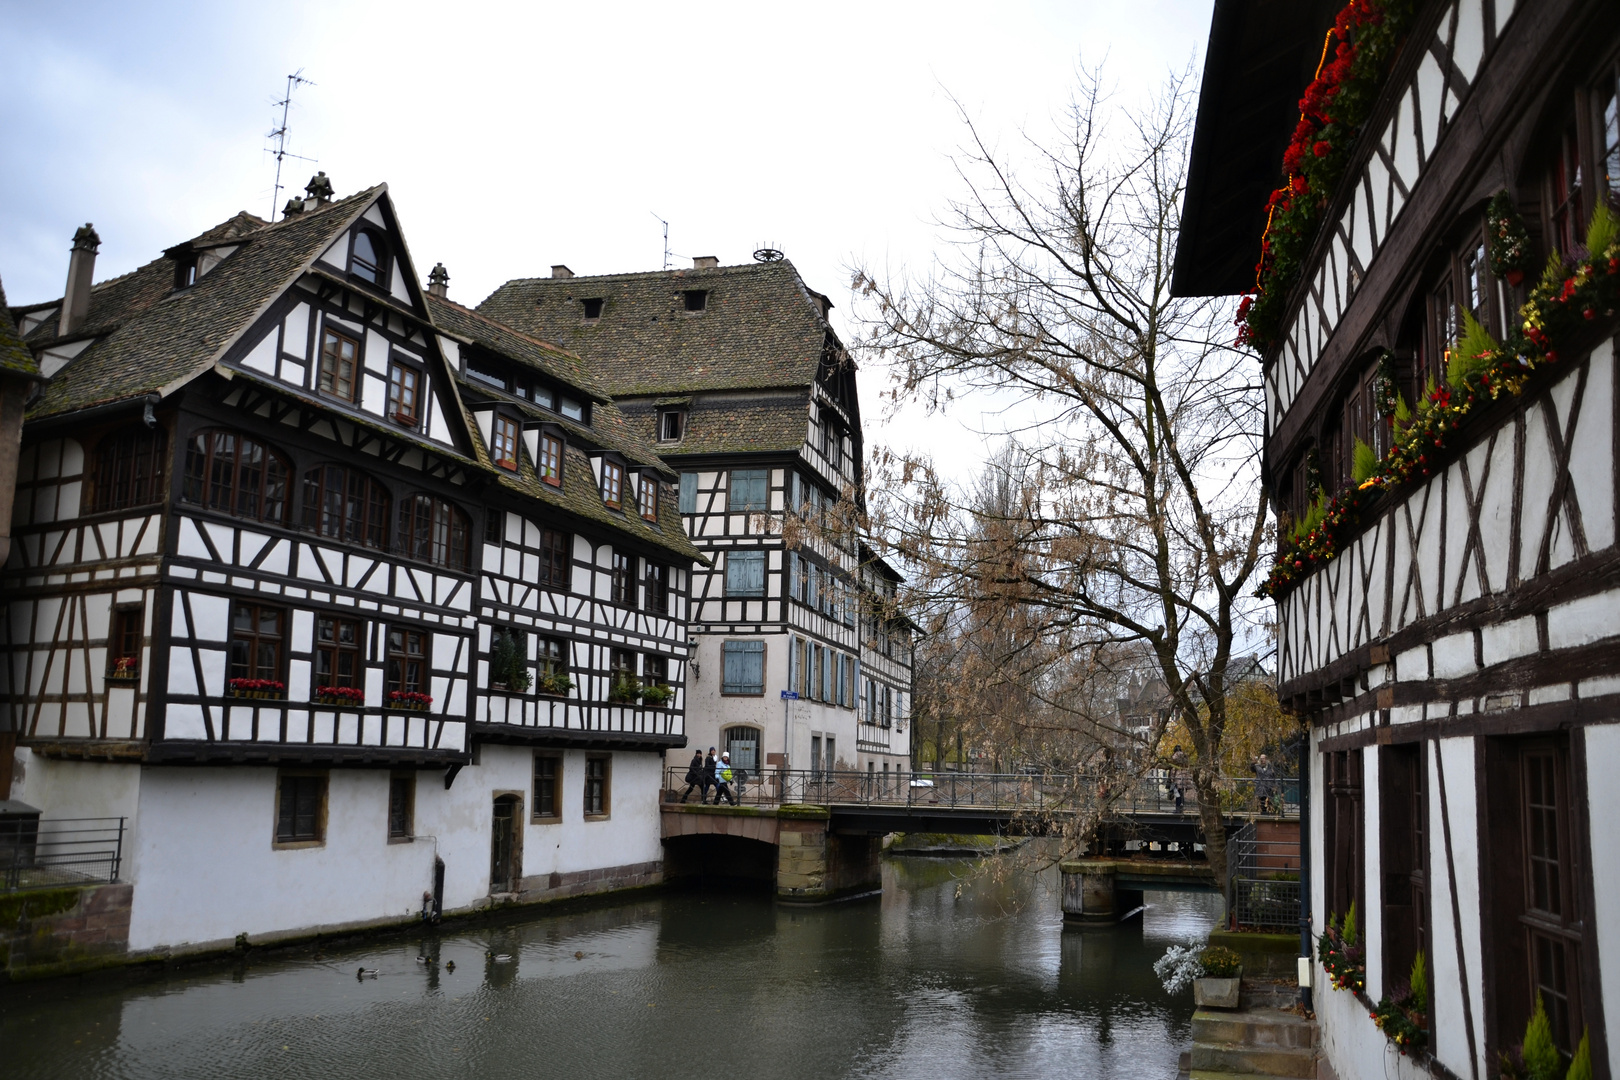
(1602,764)
(1445,966)
(1372,919)
(208,871)
(76,789)
(1352,1042)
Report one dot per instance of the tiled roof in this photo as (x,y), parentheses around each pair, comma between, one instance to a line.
(729,423)
(761,327)
(154,335)
(543,356)
(14,355)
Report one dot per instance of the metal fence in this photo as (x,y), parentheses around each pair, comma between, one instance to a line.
(1029,791)
(1263,863)
(37,854)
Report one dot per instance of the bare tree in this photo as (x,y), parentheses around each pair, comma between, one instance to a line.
(1127,517)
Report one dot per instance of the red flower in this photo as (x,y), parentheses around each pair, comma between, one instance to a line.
(1299,185)
(1322,149)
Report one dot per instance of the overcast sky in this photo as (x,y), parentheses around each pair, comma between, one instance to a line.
(514,136)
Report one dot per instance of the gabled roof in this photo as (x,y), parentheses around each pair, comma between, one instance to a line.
(1261,56)
(761,328)
(153,338)
(15,357)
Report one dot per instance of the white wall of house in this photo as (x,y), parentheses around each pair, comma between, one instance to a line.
(206,868)
(1603,760)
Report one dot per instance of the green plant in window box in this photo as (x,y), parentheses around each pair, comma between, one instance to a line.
(624,691)
(557,684)
(1219,962)
(508,666)
(657,694)
(1538,1057)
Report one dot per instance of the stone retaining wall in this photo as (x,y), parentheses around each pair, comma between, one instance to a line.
(57,931)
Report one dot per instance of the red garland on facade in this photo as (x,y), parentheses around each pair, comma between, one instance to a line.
(1355,61)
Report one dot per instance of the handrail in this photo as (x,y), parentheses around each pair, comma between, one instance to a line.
(50,853)
(1155,794)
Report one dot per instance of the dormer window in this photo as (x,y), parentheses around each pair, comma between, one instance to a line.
(592,308)
(695,299)
(549,467)
(404,394)
(368,260)
(671,425)
(612,484)
(504,444)
(185,272)
(649,496)
(571,409)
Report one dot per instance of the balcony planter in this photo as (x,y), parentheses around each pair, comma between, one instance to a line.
(348,697)
(624,692)
(257,689)
(657,695)
(409,701)
(127,669)
(554,685)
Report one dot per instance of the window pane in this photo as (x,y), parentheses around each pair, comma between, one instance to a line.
(688,493)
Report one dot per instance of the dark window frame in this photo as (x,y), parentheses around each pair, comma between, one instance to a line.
(126,639)
(671,425)
(203,482)
(397,369)
(300,819)
(647,496)
(694,301)
(434,530)
(622,578)
(399,660)
(656,578)
(128,468)
(591,308)
(381,262)
(401,807)
(556,559)
(506,433)
(255,638)
(546,806)
(332,650)
(612,484)
(327,378)
(598,793)
(742,494)
(356,511)
(550,466)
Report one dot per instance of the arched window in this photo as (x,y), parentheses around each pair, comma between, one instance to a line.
(129,468)
(370,258)
(434,531)
(346,504)
(235,474)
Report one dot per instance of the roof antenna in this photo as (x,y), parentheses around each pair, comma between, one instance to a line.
(279,134)
(666,236)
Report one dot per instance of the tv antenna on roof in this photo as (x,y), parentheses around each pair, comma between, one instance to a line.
(654,213)
(279,134)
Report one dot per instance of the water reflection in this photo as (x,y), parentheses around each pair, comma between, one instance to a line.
(955,972)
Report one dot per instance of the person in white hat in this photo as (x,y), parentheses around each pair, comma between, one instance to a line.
(722,779)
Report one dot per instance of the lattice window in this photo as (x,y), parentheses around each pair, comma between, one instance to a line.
(258,636)
(612,484)
(407,660)
(234,474)
(129,468)
(340,363)
(346,504)
(337,651)
(404,394)
(433,530)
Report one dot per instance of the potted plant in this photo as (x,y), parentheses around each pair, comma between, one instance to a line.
(126,667)
(1342,953)
(508,666)
(409,700)
(624,691)
(1217,987)
(555,683)
(347,696)
(1404,1017)
(256,688)
(657,694)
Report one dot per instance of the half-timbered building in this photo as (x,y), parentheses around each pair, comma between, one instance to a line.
(736,377)
(317,585)
(1441,446)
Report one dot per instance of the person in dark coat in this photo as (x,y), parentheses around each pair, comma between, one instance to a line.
(708,774)
(694,778)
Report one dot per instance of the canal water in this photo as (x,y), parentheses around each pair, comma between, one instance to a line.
(962,969)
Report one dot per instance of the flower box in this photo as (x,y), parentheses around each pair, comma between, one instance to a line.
(344,697)
(409,701)
(126,669)
(1217,993)
(257,689)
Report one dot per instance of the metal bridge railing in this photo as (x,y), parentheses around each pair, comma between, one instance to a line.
(37,854)
(1153,793)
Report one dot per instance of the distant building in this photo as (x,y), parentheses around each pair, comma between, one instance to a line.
(736,376)
(1456,651)
(350,602)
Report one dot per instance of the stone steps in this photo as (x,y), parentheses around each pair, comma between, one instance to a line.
(1252,1043)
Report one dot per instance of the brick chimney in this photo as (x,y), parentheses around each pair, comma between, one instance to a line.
(705,262)
(439,281)
(81,272)
(561,271)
